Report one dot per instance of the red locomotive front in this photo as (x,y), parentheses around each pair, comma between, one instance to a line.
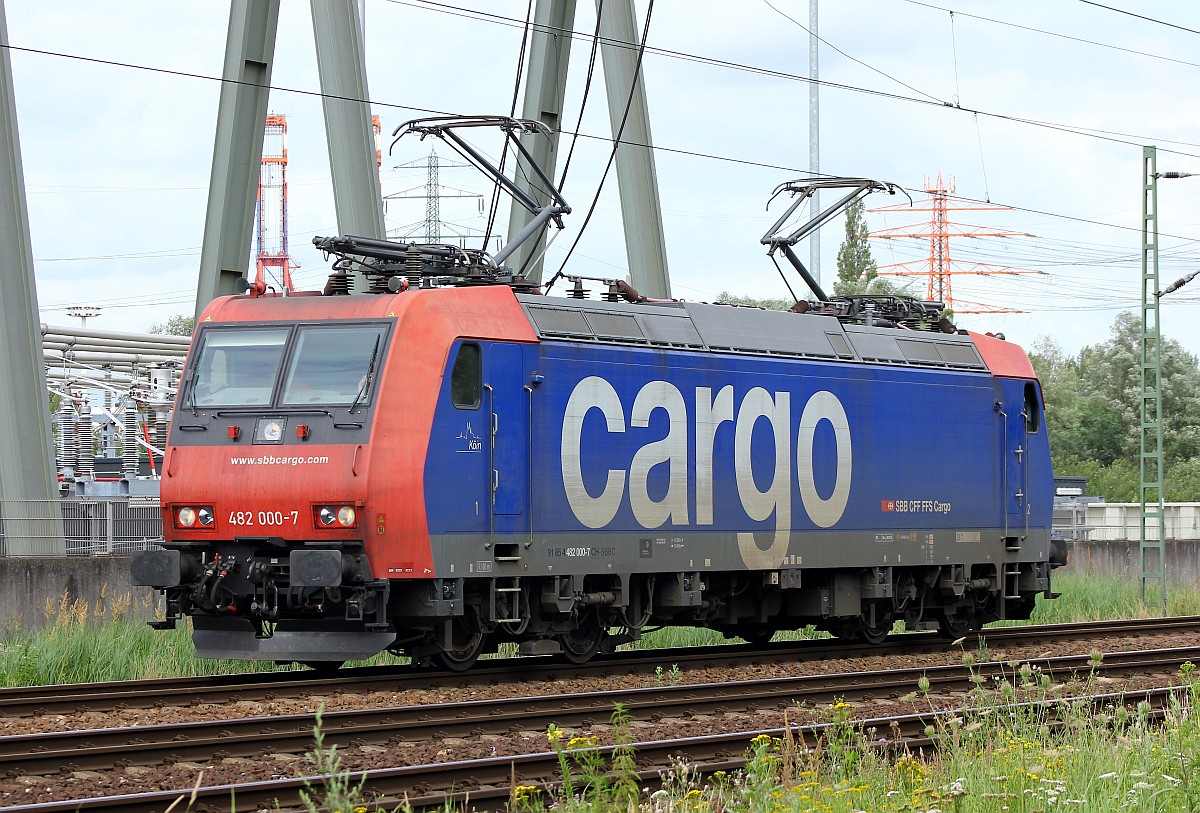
(292,492)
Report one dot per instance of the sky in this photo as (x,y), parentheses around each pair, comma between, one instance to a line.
(1033,113)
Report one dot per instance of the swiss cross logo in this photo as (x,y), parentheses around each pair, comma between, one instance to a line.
(888,505)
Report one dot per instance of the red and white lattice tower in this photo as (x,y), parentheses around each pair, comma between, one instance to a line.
(377,128)
(272,207)
(939,268)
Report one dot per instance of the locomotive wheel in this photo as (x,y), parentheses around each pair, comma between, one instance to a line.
(874,635)
(953,626)
(757,636)
(465,649)
(878,628)
(581,644)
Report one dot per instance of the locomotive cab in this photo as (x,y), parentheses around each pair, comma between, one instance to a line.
(264,546)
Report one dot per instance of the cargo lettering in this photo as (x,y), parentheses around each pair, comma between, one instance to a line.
(711,411)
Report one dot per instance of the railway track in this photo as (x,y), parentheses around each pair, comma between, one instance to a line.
(198,741)
(743,702)
(225,689)
(486,784)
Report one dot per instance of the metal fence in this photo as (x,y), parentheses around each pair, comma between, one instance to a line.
(75,527)
(1121,521)
(78,527)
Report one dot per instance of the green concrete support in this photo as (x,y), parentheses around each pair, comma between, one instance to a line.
(641,213)
(349,132)
(545,87)
(237,151)
(28,494)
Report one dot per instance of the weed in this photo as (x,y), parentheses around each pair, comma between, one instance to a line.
(337,792)
(667,678)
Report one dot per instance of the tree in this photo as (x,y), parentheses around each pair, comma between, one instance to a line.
(754,302)
(1093,412)
(856,269)
(178,325)
(1110,373)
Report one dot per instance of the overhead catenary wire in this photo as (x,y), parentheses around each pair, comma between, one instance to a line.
(1140,16)
(726,158)
(495,204)
(1119,137)
(1057,34)
(1125,138)
(829,44)
(637,72)
(587,87)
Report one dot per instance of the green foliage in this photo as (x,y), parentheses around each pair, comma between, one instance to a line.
(992,756)
(663,677)
(103,642)
(1093,412)
(336,791)
(754,302)
(1087,597)
(857,272)
(1115,482)
(589,780)
(180,324)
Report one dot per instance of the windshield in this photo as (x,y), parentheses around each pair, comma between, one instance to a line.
(237,367)
(333,365)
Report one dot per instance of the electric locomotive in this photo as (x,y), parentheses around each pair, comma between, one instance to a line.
(458,459)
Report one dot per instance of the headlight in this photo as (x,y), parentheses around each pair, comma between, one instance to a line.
(336,516)
(200,517)
(269,430)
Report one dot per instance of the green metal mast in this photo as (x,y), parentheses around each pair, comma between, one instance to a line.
(1152,553)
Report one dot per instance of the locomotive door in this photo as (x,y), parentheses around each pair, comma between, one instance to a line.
(1011,407)
(509,431)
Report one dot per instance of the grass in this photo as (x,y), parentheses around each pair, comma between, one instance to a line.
(987,761)
(1095,598)
(83,644)
(991,757)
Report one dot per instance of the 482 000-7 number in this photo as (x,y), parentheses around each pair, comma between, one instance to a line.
(263,517)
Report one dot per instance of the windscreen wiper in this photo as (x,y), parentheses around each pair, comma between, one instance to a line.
(369,377)
(191,389)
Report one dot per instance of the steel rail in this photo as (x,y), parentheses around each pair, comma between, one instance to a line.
(486,784)
(100,749)
(119,695)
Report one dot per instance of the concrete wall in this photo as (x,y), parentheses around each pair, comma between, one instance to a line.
(1119,557)
(27,584)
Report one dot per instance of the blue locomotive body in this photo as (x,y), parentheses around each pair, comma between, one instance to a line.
(745,470)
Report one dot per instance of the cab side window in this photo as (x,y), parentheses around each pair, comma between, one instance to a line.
(466,378)
(1033,408)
